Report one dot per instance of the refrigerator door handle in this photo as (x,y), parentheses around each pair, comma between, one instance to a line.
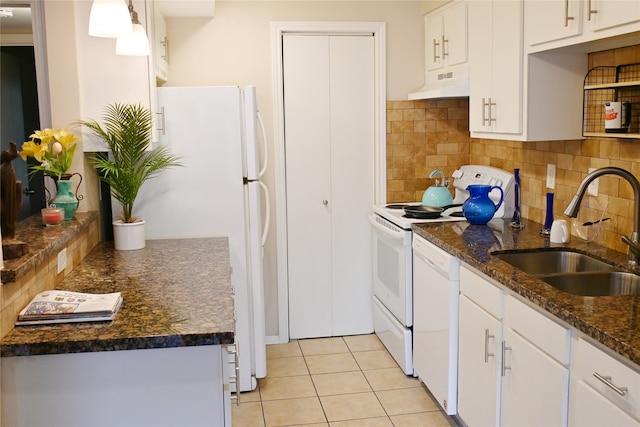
(267,219)
(264,146)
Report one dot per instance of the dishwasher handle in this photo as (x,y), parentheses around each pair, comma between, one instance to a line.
(395,235)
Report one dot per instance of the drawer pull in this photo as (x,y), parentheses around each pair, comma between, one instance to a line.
(486,346)
(622,391)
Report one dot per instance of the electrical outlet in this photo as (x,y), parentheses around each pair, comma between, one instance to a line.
(551,176)
(594,186)
(62,261)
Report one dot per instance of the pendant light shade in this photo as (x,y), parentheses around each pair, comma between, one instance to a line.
(109,18)
(135,44)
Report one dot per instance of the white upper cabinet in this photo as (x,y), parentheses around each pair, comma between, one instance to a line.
(551,20)
(495,60)
(557,23)
(160,50)
(446,36)
(514,95)
(161,10)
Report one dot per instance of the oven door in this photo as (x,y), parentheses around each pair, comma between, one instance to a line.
(392,268)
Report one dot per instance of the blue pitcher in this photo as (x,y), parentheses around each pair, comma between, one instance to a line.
(478,209)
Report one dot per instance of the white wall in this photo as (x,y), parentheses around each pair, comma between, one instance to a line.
(85,75)
(234,47)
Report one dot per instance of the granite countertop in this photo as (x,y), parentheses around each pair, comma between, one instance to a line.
(176,293)
(611,320)
(42,242)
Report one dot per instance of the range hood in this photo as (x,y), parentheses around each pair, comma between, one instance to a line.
(452,83)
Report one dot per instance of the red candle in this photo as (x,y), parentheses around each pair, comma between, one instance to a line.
(52,216)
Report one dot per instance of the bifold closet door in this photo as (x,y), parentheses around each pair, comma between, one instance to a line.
(329,135)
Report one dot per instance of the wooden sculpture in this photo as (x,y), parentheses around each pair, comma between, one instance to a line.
(11,202)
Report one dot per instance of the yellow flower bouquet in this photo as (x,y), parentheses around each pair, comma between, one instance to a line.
(53,148)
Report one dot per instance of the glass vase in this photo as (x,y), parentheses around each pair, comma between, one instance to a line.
(548,220)
(516,221)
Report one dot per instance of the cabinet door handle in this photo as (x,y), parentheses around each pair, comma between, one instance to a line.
(445,45)
(505,368)
(487,336)
(325,202)
(165,44)
(162,127)
(491,104)
(590,11)
(487,118)
(484,116)
(622,391)
(567,18)
(435,50)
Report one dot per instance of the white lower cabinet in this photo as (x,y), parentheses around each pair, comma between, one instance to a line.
(479,365)
(177,386)
(604,391)
(595,409)
(513,359)
(535,387)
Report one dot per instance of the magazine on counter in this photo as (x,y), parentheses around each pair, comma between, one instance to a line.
(65,307)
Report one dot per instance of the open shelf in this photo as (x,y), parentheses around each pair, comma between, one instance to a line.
(611,83)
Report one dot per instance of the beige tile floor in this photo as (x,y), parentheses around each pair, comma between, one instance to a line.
(340,381)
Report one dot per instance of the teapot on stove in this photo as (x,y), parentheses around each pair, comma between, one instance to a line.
(437,195)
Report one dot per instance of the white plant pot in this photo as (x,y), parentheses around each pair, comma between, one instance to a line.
(128,236)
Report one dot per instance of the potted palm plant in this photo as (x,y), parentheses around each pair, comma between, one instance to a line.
(131,161)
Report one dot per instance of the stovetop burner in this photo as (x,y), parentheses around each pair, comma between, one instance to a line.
(463,177)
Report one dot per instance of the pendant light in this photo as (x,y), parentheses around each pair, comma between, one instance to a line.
(109,18)
(135,43)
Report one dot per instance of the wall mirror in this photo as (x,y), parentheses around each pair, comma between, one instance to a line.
(24,88)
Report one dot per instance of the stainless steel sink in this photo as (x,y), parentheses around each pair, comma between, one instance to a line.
(596,284)
(550,262)
(573,272)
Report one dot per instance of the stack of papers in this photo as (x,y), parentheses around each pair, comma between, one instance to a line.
(65,307)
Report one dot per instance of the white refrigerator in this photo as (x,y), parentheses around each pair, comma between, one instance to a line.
(217,132)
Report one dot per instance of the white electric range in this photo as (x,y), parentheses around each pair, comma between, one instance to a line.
(393,302)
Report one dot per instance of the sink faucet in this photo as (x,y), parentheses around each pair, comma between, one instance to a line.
(574,206)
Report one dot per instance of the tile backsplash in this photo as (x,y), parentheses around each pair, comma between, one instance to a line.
(422,136)
(434,134)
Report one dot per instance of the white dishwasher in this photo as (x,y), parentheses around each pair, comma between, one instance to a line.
(436,287)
